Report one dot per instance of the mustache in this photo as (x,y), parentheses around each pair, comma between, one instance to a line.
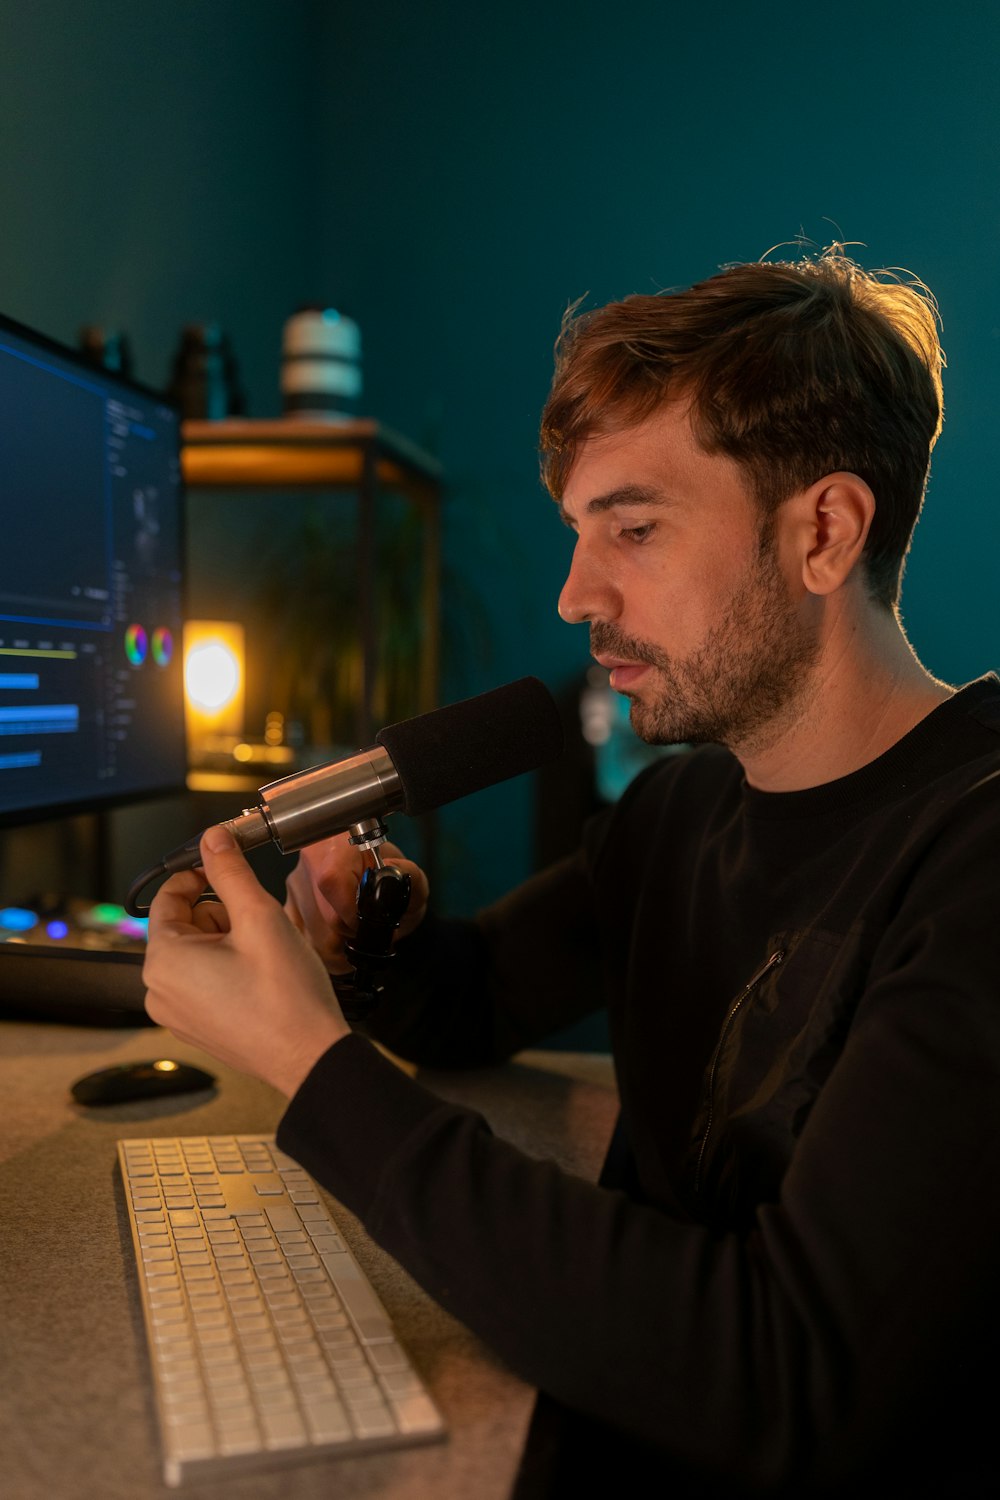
(608,640)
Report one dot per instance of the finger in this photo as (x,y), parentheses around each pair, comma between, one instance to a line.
(211,917)
(230,876)
(306,905)
(174,902)
(335,870)
(292,909)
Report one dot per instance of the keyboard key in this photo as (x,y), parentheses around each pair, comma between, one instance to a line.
(416,1414)
(328,1244)
(237,1440)
(366,1311)
(388,1356)
(283,1429)
(282,1216)
(372,1422)
(399,1382)
(192,1440)
(327,1421)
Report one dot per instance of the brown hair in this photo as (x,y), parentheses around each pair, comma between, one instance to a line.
(794,370)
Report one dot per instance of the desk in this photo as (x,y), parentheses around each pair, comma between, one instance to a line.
(76,1407)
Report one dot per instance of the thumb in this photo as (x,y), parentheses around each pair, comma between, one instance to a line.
(227,871)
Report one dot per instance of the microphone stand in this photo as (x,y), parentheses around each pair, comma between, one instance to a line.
(383,896)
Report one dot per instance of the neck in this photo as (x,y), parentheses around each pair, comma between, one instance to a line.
(865,692)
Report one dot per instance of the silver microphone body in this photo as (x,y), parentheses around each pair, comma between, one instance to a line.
(316,803)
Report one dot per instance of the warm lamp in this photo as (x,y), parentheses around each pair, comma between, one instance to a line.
(214,686)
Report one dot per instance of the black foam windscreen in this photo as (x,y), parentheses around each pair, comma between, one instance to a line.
(454,751)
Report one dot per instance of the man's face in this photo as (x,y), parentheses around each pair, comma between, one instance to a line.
(683,588)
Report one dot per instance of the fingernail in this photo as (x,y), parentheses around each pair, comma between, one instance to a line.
(218,839)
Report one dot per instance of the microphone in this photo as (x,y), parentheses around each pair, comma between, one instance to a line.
(413,767)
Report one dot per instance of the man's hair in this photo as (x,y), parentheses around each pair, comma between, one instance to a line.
(793,369)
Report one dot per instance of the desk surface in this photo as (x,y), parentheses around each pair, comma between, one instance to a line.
(76,1408)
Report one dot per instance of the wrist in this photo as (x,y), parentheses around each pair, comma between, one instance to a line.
(294,1066)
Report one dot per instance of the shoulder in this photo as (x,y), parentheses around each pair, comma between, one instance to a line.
(962,751)
(966,728)
(981,701)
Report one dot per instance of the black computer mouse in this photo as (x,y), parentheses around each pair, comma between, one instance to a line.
(140,1080)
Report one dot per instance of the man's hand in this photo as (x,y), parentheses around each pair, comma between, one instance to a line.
(322,895)
(236,978)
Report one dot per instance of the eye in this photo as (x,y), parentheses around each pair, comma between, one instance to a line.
(637,534)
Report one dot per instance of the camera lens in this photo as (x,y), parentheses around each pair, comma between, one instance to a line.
(321,364)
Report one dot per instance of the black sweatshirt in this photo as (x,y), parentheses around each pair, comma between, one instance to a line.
(795,1287)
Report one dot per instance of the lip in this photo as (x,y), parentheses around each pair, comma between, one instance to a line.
(623,673)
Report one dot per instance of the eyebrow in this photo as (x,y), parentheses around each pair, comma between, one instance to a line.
(624,495)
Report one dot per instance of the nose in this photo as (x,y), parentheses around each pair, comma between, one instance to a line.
(588,593)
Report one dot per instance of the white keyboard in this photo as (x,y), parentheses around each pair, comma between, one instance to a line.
(267,1342)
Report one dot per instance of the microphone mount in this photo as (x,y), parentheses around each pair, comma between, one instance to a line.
(383,896)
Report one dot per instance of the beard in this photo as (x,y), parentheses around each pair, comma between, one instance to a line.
(741,685)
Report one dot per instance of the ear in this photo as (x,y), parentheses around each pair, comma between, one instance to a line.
(831,521)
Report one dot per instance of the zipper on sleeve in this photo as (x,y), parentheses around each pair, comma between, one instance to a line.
(777,958)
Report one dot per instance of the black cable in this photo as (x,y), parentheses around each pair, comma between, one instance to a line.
(137,887)
(184,857)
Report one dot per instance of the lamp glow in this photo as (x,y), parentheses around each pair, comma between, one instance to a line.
(211,676)
(214,686)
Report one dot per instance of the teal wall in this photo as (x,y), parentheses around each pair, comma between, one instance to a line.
(453,176)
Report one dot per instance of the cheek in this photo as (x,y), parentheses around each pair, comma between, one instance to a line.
(667,595)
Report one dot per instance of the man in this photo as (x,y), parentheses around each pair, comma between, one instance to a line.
(786,1283)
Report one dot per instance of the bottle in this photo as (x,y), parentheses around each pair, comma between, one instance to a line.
(204,381)
(106,347)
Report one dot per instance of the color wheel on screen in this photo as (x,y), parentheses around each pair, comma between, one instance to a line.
(136,645)
(162,646)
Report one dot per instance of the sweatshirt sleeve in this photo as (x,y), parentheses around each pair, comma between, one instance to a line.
(852,1317)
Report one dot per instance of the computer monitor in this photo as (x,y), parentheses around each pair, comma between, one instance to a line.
(91,585)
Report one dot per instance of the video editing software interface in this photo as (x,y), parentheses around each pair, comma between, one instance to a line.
(91,692)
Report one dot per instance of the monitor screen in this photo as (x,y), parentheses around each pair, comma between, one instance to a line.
(91,607)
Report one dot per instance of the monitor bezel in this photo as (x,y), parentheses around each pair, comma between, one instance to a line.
(51,811)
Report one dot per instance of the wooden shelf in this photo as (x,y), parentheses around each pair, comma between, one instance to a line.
(237,454)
